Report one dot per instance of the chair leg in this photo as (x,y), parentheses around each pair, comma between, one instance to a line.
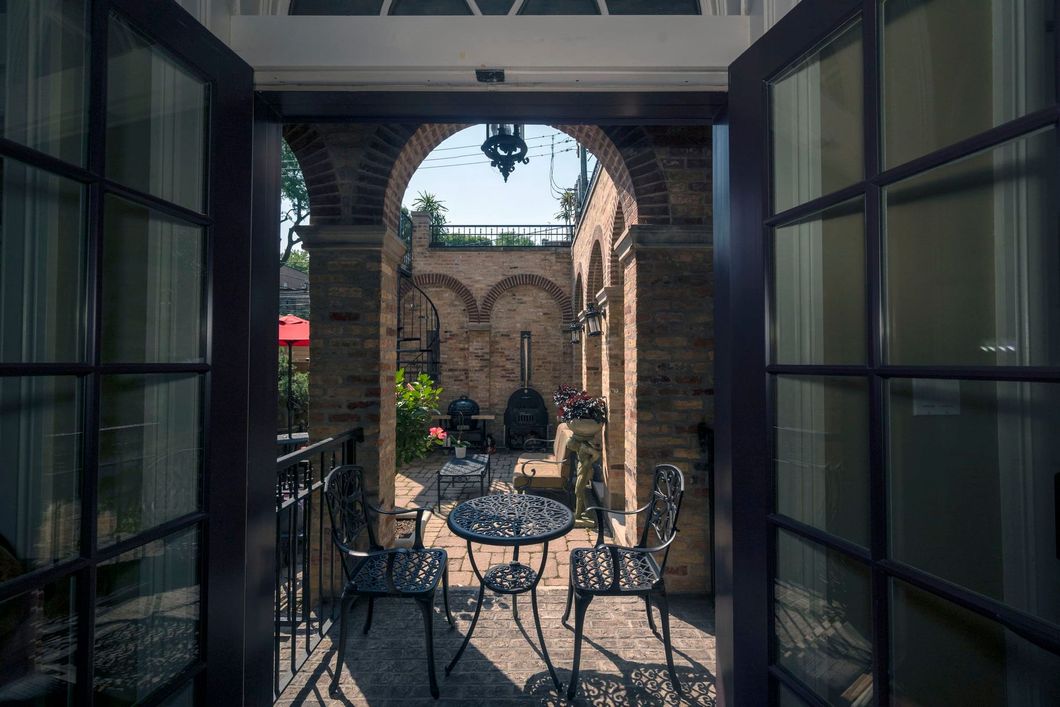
(368,619)
(345,604)
(426,606)
(445,596)
(570,600)
(581,604)
(651,619)
(515,607)
(664,614)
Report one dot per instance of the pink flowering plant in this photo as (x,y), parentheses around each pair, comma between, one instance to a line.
(580,406)
(417,404)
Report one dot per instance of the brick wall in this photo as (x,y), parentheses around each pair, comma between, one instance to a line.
(485,297)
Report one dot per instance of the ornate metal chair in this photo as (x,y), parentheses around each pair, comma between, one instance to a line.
(407,573)
(615,570)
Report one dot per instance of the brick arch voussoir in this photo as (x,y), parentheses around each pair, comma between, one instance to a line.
(318,170)
(612,268)
(435,279)
(530,280)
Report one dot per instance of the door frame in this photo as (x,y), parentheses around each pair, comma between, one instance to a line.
(745,487)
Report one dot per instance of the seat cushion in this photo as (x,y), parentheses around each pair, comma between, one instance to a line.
(412,571)
(541,474)
(592,569)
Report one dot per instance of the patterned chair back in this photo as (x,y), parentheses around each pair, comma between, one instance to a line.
(660,527)
(348,510)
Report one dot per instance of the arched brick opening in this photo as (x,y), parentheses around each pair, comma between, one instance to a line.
(613,271)
(321,178)
(625,153)
(532,280)
(579,301)
(595,280)
(434,279)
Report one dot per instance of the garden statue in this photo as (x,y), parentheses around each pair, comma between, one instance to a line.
(585,416)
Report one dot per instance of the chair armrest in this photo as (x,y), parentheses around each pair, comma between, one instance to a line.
(535,442)
(528,476)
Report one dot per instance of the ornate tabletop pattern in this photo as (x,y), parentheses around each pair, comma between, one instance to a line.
(511,519)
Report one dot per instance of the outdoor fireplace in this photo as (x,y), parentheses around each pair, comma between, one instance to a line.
(526,415)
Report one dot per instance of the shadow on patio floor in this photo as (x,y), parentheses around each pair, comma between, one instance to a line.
(623,664)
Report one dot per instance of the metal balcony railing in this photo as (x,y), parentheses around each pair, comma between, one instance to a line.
(547,235)
(309,575)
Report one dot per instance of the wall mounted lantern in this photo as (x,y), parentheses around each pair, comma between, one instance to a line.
(593,319)
(575,331)
(505,147)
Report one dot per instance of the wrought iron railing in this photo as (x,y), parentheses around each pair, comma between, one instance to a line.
(309,576)
(419,332)
(548,235)
(405,233)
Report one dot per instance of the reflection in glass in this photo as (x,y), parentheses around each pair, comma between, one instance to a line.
(185,697)
(822,453)
(42,75)
(153,282)
(971,259)
(942,654)
(41,266)
(816,122)
(147,618)
(819,287)
(953,68)
(156,119)
(150,452)
(38,646)
(40,472)
(973,469)
(822,620)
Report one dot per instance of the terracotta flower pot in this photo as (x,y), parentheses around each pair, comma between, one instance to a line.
(584,428)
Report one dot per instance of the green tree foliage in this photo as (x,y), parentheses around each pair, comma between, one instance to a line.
(299,395)
(463,239)
(417,406)
(435,207)
(299,260)
(568,206)
(294,209)
(512,239)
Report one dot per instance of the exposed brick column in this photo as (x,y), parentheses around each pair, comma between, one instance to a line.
(421,239)
(353,330)
(591,363)
(669,395)
(612,381)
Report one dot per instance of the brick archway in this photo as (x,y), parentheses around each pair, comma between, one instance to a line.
(531,280)
(613,269)
(321,179)
(620,151)
(594,281)
(436,279)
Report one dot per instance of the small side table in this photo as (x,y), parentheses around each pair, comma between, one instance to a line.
(473,467)
(510,520)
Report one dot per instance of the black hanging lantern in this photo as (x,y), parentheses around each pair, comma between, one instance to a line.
(593,318)
(505,147)
(575,331)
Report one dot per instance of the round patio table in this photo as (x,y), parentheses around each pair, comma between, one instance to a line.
(510,520)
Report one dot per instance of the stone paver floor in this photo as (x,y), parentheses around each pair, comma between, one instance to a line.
(417,485)
(623,664)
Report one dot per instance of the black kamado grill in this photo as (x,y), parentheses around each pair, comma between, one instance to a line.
(461,412)
(526,415)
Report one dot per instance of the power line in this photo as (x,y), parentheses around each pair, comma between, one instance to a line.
(468,147)
(479,152)
(464,164)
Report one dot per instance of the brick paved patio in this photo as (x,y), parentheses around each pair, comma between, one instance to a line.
(623,664)
(417,485)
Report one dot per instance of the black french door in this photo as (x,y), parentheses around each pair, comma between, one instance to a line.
(125,281)
(889,380)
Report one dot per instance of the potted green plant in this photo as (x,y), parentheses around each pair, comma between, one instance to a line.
(460,448)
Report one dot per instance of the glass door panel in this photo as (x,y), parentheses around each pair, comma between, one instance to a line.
(817,118)
(44,76)
(953,68)
(818,271)
(156,119)
(971,256)
(38,645)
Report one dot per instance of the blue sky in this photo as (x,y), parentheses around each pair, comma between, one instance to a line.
(458,173)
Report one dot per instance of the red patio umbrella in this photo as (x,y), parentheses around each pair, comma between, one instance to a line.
(294,331)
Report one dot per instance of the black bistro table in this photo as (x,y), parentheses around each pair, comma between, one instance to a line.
(510,520)
(473,467)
